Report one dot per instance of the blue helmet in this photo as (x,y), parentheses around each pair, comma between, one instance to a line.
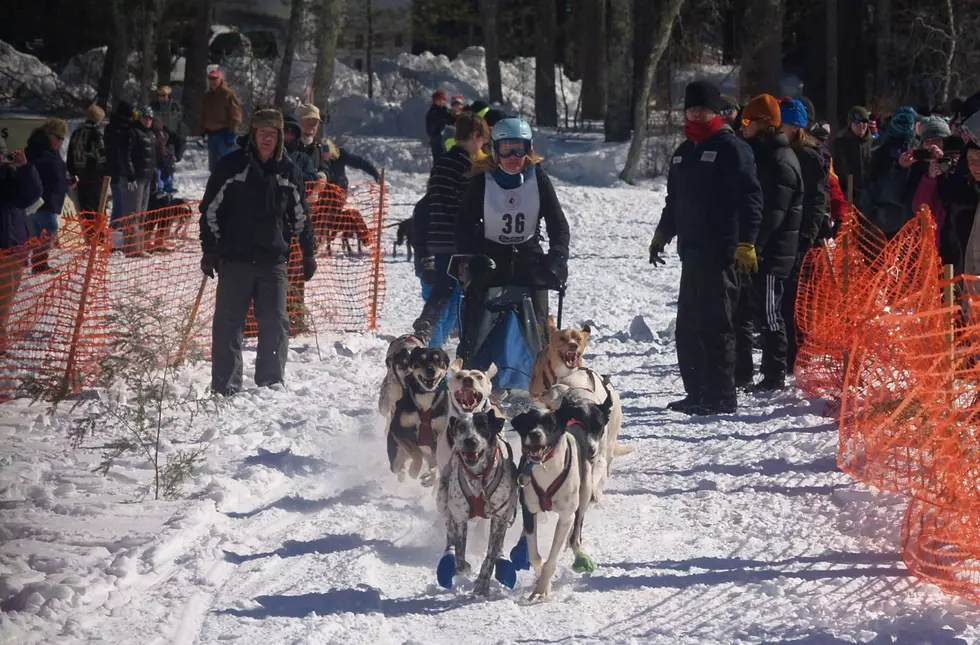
(511,129)
(146,112)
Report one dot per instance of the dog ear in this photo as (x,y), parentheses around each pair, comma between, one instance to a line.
(496,423)
(491,371)
(457,365)
(587,330)
(443,358)
(416,355)
(522,423)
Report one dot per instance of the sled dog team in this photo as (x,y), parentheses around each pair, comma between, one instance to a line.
(444,429)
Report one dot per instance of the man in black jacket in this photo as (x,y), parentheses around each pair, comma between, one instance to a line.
(779,174)
(852,152)
(138,182)
(436,119)
(714,208)
(87,159)
(253,206)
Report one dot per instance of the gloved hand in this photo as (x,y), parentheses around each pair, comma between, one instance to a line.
(429,270)
(309,268)
(131,184)
(554,270)
(745,258)
(209,264)
(480,267)
(657,246)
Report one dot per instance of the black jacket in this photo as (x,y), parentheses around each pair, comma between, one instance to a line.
(781,179)
(52,169)
(887,196)
(118,133)
(447,183)
(336,169)
(86,153)
(20,188)
(960,196)
(714,201)
(251,210)
(816,194)
(513,260)
(436,119)
(143,153)
(852,155)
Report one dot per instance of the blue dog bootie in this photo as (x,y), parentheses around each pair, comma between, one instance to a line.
(505,573)
(446,570)
(519,555)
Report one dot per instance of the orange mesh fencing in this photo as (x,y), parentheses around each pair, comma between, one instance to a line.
(56,325)
(900,349)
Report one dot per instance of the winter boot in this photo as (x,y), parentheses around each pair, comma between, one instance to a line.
(684,405)
(713,407)
(769,384)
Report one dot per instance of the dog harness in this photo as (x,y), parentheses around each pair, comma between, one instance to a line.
(426,436)
(544,496)
(478,502)
(511,216)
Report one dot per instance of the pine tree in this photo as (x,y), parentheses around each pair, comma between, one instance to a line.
(488,18)
(620,71)
(545,100)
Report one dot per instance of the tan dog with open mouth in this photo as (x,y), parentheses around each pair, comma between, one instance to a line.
(560,358)
(469,393)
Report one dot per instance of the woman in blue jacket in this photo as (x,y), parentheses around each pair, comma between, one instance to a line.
(42,151)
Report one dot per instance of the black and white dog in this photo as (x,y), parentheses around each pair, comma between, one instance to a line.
(404,235)
(398,360)
(557,474)
(480,481)
(420,416)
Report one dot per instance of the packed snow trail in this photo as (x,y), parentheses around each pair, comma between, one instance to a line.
(733,529)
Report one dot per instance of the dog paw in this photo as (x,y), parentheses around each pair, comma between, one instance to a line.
(446,571)
(583,564)
(401,476)
(505,573)
(482,587)
(519,555)
(541,591)
(429,478)
(462,566)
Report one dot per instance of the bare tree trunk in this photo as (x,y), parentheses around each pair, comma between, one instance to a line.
(331,20)
(620,70)
(833,113)
(196,69)
(369,52)
(105,78)
(948,66)
(152,15)
(668,10)
(545,102)
(592,48)
(883,47)
(289,52)
(762,47)
(488,20)
(121,52)
(164,64)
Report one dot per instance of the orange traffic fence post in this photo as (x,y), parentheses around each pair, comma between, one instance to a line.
(376,278)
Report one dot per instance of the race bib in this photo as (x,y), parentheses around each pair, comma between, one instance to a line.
(511,216)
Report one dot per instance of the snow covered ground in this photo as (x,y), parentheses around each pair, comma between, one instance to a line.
(735,529)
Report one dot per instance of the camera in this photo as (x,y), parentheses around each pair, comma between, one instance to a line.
(922,154)
(7,157)
(945,163)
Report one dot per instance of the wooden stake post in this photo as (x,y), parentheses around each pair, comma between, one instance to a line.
(186,336)
(949,299)
(376,278)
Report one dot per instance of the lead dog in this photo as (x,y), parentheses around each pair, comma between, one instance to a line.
(556,475)
(420,416)
(480,481)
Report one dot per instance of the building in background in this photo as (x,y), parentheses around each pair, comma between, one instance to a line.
(382,26)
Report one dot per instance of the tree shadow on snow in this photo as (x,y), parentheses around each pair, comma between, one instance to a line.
(385,549)
(734,436)
(769,467)
(361,600)
(896,634)
(709,485)
(286,462)
(296,504)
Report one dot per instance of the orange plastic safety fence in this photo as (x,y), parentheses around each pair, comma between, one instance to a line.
(56,325)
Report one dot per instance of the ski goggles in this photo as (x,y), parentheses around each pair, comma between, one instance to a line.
(859,121)
(512,148)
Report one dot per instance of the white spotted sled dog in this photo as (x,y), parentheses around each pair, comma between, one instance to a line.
(480,481)
(556,474)
(420,416)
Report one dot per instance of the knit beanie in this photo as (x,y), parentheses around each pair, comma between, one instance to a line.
(811,111)
(902,125)
(935,127)
(858,113)
(704,95)
(762,107)
(94,113)
(55,126)
(729,103)
(793,112)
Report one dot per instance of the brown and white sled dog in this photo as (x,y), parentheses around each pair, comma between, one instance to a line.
(399,364)
(480,481)
(469,393)
(562,355)
(420,416)
(556,475)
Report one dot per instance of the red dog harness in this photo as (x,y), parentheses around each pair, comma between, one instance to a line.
(478,502)
(544,496)
(426,436)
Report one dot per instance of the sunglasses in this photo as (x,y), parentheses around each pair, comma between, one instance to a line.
(746,122)
(860,121)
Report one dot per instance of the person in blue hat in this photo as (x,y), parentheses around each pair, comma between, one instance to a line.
(500,218)
(884,201)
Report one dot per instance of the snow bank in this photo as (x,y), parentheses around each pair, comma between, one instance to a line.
(27,84)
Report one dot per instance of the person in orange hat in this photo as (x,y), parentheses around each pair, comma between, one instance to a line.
(221,116)
(776,246)
(436,120)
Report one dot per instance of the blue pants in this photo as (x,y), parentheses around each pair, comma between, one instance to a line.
(442,310)
(43,220)
(219,144)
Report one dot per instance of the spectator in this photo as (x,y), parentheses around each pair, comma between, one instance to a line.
(434,232)
(291,134)
(20,190)
(172,115)
(852,152)
(166,154)
(251,210)
(87,160)
(335,161)
(43,151)
(729,111)
(456,105)
(760,298)
(884,200)
(960,195)
(814,168)
(141,173)
(221,115)
(311,143)
(436,120)
(714,208)
(118,153)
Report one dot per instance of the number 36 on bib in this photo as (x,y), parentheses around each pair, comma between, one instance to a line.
(511,216)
